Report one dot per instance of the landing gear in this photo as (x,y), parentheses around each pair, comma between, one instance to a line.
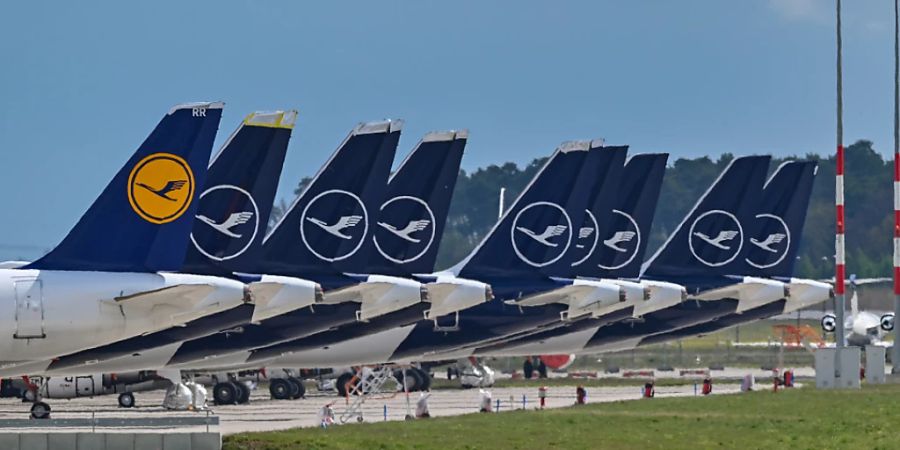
(280,389)
(416,379)
(298,390)
(225,393)
(126,400)
(342,384)
(40,410)
(425,377)
(243,392)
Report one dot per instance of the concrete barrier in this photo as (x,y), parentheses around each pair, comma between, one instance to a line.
(111,441)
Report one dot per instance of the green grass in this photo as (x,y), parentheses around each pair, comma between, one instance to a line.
(798,418)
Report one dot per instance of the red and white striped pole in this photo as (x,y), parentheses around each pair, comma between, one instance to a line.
(895,356)
(839,261)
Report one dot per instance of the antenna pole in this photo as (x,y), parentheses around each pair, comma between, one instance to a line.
(895,354)
(840,270)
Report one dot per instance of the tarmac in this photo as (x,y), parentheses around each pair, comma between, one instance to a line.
(265,414)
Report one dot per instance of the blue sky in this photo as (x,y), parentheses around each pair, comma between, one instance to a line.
(82,83)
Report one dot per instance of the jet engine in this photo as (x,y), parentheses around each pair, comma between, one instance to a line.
(829,323)
(887,322)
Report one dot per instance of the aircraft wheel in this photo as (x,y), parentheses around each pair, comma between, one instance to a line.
(341,384)
(425,376)
(40,410)
(280,389)
(412,379)
(300,388)
(243,392)
(225,393)
(126,400)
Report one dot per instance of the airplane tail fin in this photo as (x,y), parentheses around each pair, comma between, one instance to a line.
(774,243)
(710,239)
(602,171)
(620,250)
(325,229)
(237,199)
(411,219)
(536,230)
(142,220)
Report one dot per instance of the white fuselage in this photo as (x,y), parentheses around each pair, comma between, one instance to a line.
(52,313)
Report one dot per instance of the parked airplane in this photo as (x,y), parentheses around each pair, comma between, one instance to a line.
(630,213)
(732,195)
(241,184)
(421,187)
(508,260)
(772,254)
(118,255)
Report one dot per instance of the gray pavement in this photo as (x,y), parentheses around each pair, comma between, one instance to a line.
(265,414)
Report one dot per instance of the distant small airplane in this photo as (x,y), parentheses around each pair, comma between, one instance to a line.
(767,243)
(341,224)
(169,187)
(551,231)
(620,236)
(232,221)
(863,327)
(726,235)
(411,227)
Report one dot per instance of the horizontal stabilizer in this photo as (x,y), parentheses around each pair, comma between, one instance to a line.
(451,295)
(182,296)
(561,295)
(278,295)
(355,293)
(751,292)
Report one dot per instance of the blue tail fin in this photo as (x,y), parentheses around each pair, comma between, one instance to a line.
(605,180)
(240,190)
(323,232)
(412,217)
(779,221)
(142,220)
(710,240)
(633,213)
(536,231)
(620,249)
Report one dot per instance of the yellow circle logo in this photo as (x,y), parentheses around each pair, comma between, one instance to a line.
(160,187)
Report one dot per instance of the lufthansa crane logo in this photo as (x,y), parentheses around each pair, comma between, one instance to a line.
(772,246)
(587,239)
(716,238)
(408,239)
(334,224)
(623,244)
(541,233)
(160,187)
(227,222)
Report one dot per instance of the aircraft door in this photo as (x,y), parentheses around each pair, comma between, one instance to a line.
(29,309)
(84,386)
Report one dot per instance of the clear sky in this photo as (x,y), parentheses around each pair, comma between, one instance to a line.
(82,83)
